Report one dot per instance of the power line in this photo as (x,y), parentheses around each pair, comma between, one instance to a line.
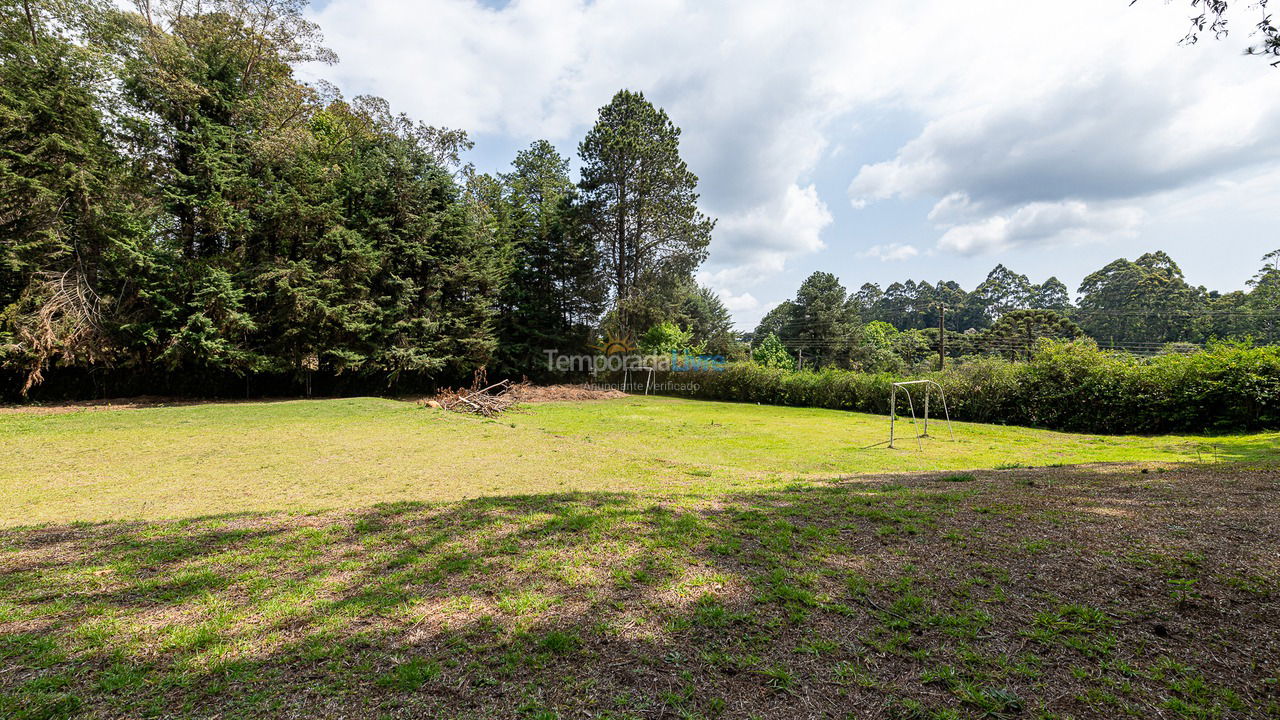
(1155,314)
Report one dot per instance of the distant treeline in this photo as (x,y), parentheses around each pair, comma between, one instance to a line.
(1144,306)
(179,213)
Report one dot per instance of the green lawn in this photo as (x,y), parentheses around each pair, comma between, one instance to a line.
(640,558)
(176,462)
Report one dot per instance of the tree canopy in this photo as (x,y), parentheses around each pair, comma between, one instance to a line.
(1143,306)
(179,212)
(642,206)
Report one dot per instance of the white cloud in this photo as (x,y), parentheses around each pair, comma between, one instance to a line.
(737,77)
(1023,137)
(891,252)
(766,234)
(1064,222)
(1083,154)
(740,303)
(756,244)
(952,208)
(1104,138)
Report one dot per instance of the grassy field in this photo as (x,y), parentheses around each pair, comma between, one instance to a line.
(177,462)
(642,558)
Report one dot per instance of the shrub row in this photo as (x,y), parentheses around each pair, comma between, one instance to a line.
(1063,385)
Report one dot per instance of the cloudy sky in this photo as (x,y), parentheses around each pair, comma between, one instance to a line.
(875,140)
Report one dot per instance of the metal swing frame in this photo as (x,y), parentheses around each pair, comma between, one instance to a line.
(893,409)
(648,382)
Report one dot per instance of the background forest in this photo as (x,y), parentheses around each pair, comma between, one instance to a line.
(1143,307)
(179,213)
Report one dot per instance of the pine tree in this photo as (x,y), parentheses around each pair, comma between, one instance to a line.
(705,314)
(642,205)
(553,294)
(61,206)
(823,321)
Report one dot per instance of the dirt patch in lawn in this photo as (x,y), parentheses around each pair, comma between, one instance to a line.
(565,393)
(132,403)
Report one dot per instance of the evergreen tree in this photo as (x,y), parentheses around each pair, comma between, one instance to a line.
(553,294)
(1140,304)
(1253,314)
(824,321)
(895,305)
(950,295)
(1015,334)
(63,214)
(641,205)
(706,316)
(1002,291)
(780,321)
(226,219)
(1264,293)
(1050,295)
(868,302)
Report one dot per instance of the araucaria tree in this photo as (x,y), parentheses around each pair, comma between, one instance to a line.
(641,205)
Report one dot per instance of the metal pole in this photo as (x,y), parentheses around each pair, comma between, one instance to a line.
(893,412)
(926,411)
(942,337)
(912,405)
(947,413)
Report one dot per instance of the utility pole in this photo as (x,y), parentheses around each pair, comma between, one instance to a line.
(942,337)
(801,365)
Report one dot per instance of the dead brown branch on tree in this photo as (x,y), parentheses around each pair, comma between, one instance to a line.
(66,321)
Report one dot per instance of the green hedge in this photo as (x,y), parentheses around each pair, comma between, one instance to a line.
(1064,385)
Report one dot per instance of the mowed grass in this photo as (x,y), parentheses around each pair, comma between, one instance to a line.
(177,462)
(639,558)
(1109,591)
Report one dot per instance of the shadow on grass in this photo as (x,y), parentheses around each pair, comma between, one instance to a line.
(1057,591)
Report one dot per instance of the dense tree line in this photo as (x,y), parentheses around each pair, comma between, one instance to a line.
(180,213)
(1143,306)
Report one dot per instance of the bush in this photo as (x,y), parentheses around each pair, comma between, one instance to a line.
(772,354)
(1063,385)
(668,337)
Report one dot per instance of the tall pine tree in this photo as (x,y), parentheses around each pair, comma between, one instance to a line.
(642,205)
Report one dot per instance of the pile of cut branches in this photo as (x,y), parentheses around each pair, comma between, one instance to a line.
(480,399)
